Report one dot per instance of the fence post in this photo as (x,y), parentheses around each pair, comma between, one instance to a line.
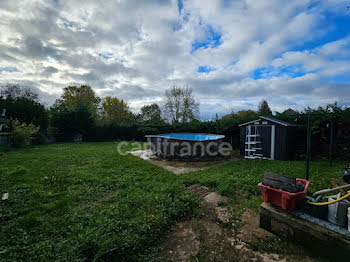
(331,144)
(308,145)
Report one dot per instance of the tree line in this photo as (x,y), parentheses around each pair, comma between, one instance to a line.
(80,111)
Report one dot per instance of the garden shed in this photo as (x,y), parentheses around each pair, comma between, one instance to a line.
(268,138)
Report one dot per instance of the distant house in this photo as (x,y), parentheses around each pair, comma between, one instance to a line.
(289,112)
(268,138)
(3,119)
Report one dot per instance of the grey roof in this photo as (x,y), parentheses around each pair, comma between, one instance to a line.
(277,121)
(248,122)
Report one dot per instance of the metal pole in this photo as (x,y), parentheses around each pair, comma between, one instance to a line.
(331,144)
(308,145)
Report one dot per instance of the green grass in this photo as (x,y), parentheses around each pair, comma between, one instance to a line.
(76,202)
(72,202)
(239,179)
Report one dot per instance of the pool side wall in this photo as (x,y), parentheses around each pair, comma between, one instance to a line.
(172,148)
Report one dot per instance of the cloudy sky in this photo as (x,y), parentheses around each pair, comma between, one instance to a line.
(232,53)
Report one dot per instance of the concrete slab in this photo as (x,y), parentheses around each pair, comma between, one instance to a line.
(214,198)
(306,230)
(178,166)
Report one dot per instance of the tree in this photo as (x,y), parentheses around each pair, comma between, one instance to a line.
(264,109)
(65,123)
(22,133)
(246,116)
(116,111)
(75,112)
(180,105)
(151,114)
(74,97)
(22,103)
(14,91)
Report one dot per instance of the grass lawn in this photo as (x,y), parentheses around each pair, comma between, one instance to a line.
(75,202)
(72,202)
(239,179)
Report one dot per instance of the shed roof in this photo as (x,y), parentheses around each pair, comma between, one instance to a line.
(284,123)
(277,121)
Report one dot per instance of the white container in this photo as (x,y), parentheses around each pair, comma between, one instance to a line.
(349,219)
(337,212)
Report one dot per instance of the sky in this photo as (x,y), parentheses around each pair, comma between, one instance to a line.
(233,54)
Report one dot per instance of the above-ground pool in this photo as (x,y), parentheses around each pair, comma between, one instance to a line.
(185,145)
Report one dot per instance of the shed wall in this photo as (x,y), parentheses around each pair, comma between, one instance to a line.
(285,139)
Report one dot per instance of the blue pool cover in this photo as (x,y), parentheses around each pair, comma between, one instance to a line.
(190,136)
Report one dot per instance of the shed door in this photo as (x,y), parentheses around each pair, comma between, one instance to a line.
(265,139)
(260,141)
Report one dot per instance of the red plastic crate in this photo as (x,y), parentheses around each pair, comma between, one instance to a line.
(282,198)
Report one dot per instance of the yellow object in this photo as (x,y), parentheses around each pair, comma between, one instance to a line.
(330,202)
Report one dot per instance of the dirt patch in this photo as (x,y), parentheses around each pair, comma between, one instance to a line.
(253,240)
(177,166)
(220,234)
(182,245)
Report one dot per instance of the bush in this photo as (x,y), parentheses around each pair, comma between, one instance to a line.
(22,133)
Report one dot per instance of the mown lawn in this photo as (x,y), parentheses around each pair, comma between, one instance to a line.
(239,179)
(76,202)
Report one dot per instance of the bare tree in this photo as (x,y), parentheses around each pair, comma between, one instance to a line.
(180,105)
(15,90)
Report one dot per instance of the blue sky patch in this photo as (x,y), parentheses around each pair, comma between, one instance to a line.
(334,28)
(9,69)
(51,59)
(185,16)
(262,73)
(212,39)
(205,69)
(292,71)
(270,71)
(342,79)
(106,56)
(180,5)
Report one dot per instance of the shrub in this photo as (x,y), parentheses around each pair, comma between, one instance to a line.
(22,133)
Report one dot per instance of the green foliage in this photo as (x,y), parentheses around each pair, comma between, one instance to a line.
(25,109)
(151,114)
(22,133)
(264,109)
(116,111)
(75,97)
(65,123)
(321,124)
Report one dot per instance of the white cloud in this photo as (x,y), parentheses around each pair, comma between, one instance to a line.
(136,49)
